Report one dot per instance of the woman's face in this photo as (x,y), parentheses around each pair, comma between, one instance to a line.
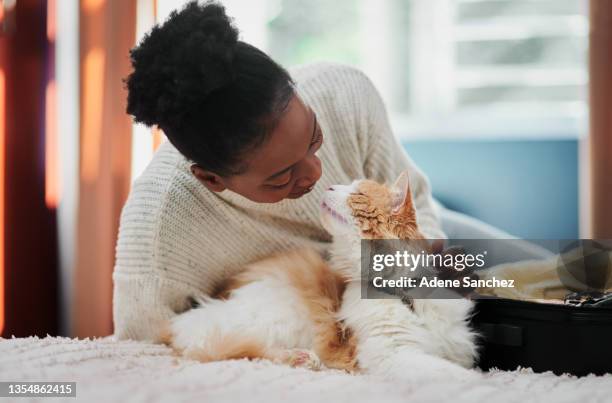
(284,166)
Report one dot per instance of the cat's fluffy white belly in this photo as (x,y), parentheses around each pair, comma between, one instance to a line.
(266,310)
(387,326)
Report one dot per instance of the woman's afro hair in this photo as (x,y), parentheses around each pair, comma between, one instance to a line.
(214,96)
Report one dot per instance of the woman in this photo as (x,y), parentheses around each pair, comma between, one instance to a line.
(251,149)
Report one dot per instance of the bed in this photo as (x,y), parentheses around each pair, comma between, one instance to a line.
(107,370)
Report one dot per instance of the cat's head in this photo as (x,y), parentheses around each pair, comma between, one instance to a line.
(370,210)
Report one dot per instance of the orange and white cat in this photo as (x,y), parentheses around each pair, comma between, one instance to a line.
(298,309)
(428,337)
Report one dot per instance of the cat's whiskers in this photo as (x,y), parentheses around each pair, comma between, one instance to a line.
(333,213)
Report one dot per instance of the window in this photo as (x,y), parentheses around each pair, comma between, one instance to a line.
(452,68)
(446,68)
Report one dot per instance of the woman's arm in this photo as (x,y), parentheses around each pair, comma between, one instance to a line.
(143,303)
(159,257)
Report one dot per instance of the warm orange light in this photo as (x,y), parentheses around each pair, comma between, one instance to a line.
(2,144)
(91,6)
(1,11)
(157,133)
(51,20)
(52,185)
(157,137)
(93,93)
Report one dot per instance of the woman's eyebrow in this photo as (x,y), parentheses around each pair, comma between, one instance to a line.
(314,132)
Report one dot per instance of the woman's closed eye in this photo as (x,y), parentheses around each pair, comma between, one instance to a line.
(281,183)
(318,138)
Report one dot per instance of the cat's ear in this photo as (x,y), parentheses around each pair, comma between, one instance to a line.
(401,198)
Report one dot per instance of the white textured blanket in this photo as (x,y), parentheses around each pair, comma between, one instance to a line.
(112,371)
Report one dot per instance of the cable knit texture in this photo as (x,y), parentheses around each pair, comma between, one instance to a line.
(178,239)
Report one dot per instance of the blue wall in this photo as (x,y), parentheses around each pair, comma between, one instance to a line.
(528,188)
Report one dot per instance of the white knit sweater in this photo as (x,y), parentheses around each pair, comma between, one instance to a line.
(178,239)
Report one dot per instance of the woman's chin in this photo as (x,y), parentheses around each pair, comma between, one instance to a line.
(294,196)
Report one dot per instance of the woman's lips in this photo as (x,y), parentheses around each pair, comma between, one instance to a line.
(302,191)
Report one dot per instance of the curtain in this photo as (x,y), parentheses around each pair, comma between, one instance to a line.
(28,251)
(107,32)
(600,63)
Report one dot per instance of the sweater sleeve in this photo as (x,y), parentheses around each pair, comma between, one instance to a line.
(143,302)
(386,158)
(152,279)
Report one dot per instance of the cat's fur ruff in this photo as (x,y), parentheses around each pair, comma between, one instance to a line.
(293,308)
(432,336)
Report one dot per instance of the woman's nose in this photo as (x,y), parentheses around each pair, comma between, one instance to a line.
(310,170)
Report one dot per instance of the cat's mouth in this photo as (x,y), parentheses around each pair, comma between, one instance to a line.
(333,213)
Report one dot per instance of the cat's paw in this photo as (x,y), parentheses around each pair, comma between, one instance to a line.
(301,358)
(182,332)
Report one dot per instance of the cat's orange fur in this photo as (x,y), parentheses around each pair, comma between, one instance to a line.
(321,291)
(318,286)
(371,208)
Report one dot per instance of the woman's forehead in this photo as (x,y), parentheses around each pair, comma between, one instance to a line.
(287,144)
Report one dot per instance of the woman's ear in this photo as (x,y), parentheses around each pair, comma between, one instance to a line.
(401,198)
(209,179)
